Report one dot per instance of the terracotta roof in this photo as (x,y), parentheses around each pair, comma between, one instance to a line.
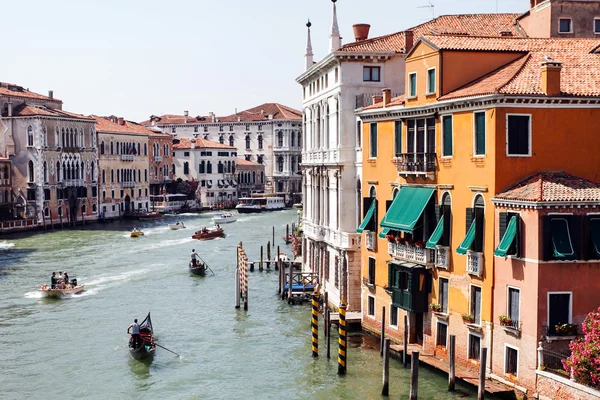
(395,101)
(464,24)
(511,44)
(185,143)
(10,89)
(244,162)
(552,186)
(106,125)
(35,110)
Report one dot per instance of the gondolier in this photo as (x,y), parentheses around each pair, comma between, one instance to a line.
(135,333)
(194,257)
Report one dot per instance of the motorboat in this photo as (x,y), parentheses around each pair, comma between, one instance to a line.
(260,203)
(176,226)
(150,215)
(207,234)
(136,233)
(146,346)
(61,290)
(224,218)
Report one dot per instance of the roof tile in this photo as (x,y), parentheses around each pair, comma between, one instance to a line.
(111,125)
(553,186)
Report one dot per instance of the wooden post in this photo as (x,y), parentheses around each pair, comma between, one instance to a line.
(386,368)
(268,254)
(414,375)
(279,286)
(481,387)
(273,234)
(246,291)
(277,262)
(260,265)
(328,324)
(237,278)
(291,277)
(325,303)
(451,361)
(314,326)
(405,351)
(382,338)
(287,233)
(342,339)
(293,229)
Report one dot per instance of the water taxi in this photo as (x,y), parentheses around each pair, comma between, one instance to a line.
(260,203)
(207,234)
(136,233)
(224,218)
(176,226)
(61,289)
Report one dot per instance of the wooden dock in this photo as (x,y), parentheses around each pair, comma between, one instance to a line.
(467,375)
(351,317)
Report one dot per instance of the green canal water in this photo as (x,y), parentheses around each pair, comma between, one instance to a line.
(76,348)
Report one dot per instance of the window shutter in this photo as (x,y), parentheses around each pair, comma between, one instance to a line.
(480,133)
(586,250)
(398,138)
(430,219)
(479,221)
(438,213)
(366,205)
(575,229)
(447,213)
(518,240)
(503,221)
(431,135)
(447,133)
(546,238)
(390,275)
(374,221)
(469,219)
(388,204)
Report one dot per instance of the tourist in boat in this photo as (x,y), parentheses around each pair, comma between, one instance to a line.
(53,281)
(135,332)
(66,279)
(194,257)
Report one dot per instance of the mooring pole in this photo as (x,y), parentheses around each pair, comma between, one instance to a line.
(287,233)
(386,368)
(451,366)
(481,387)
(382,338)
(405,350)
(414,375)
(315,324)
(245,282)
(273,234)
(328,322)
(277,261)
(342,340)
(260,265)
(269,254)
(325,303)
(291,278)
(237,278)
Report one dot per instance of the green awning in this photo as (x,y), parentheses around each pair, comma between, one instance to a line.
(595,235)
(368,217)
(406,209)
(384,232)
(437,235)
(507,239)
(561,239)
(468,240)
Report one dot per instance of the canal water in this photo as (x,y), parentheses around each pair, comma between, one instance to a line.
(76,348)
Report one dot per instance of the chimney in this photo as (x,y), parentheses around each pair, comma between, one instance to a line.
(551,77)
(193,143)
(387,97)
(361,31)
(185,117)
(212,116)
(377,99)
(409,40)
(10,108)
(120,121)
(51,94)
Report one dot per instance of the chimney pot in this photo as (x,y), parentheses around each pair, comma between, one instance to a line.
(387,97)
(361,31)
(51,94)
(185,117)
(409,40)
(551,71)
(377,99)
(120,121)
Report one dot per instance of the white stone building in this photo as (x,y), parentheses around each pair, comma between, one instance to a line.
(269,134)
(210,164)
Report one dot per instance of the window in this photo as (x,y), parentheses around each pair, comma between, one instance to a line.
(511,360)
(259,159)
(443,295)
(201,168)
(220,128)
(442,334)
(247,142)
(558,232)
(220,167)
(474,350)
(479,133)
(398,138)
(412,84)
(431,81)
(371,74)
(231,141)
(447,141)
(195,129)
(371,309)
(371,271)
(518,135)
(209,167)
(221,139)
(373,149)
(30,136)
(565,25)
(513,306)
(393,315)
(206,129)
(230,128)
(559,310)
(476,304)
(30,170)
(280,164)
(186,153)
(280,139)
(597,25)
(173,130)
(186,168)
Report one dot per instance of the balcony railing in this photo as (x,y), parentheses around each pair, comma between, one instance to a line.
(344,240)
(442,257)
(73,182)
(411,253)
(370,240)
(127,157)
(366,99)
(158,158)
(127,184)
(4,182)
(415,163)
(474,263)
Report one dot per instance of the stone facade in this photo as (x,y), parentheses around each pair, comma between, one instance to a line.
(250,177)
(161,161)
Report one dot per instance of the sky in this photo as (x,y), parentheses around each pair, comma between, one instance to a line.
(135,58)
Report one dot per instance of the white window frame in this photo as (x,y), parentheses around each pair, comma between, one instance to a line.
(439,286)
(568,229)
(409,86)
(508,287)
(484,112)
(570,24)
(397,326)
(469,334)
(594,27)
(371,152)
(505,357)
(437,332)
(369,297)
(529,145)
(442,138)
(470,304)
(429,91)
(570,306)
(374,270)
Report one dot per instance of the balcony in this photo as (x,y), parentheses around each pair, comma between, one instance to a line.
(474,263)
(158,158)
(343,240)
(127,184)
(73,182)
(370,240)
(416,164)
(127,157)
(4,182)
(411,253)
(330,156)
(442,257)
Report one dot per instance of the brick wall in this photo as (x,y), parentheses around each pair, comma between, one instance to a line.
(555,387)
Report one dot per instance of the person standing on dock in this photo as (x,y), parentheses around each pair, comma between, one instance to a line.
(194,257)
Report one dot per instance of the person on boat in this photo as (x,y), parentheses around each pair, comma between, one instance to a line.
(194,257)
(218,226)
(53,281)
(66,279)
(204,230)
(135,333)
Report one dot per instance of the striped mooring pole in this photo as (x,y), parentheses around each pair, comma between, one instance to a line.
(315,324)
(342,340)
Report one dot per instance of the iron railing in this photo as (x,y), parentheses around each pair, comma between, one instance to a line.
(416,163)
(366,99)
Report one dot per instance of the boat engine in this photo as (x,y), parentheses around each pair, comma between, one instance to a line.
(74,282)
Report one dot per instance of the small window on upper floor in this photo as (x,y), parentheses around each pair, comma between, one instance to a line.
(412,84)
(173,130)
(518,135)
(565,25)
(431,80)
(597,26)
(337,75)
(371,74)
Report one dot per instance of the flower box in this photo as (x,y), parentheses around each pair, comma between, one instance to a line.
(505,321)
(435,307)
(420,244)
(566,329)
(468,319)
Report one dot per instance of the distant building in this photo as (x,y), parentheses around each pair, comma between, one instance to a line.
(6,208)
(269,134)
(250,177)
(161,161)
(210,164)
(561,19)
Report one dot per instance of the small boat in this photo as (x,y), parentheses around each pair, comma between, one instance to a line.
(146,346)
(136,233)
(288,238)
(224,218)
(61,290)
(176,226)
(207,234)
(150,215)
(199,269)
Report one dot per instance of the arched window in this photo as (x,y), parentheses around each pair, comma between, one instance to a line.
(253,177)
(280,163)
(45,172)
(72,139)
(92,141)
(260,142)
(82,170)
(233,167)
(57,137)
(220,167)
(76,176)
(231,141)
(479,201)
(446,199)
(138,149)
(30,170)
(299,139)
(173,166)
(111,148)
(292,139)
(58,171)
(280,139)
(103,176)
(247,141)
(222,139)
(202,167)
(81,141)
(145,175)
(209,167)
(44,136)
(145,149)
(394,193)
(102,147)
(186,168)
(373,192)
(139,175)
(66,174)
(29,135)
(63,142)
(118,148)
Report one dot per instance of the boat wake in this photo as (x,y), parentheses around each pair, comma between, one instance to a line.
(4,245)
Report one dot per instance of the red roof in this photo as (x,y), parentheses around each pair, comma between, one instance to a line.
(35,110)
(466,24)
(111,125)
(553,186)
(244,162)
(395,101)
(10,89)
(185,143)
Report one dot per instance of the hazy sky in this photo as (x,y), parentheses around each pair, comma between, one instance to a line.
(135,58)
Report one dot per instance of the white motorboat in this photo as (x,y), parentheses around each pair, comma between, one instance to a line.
(224,218)
(176,226)
(60,292)
(260,203)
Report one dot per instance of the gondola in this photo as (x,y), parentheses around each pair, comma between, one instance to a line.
(146,346)
(199,269)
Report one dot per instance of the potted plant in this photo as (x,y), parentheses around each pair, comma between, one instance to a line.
(420,244)
(468,319)
(399,240)
(410,241)
(435,307)
(504,320)
(566,329)
(390,238)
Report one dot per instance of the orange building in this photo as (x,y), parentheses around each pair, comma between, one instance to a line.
(479,114)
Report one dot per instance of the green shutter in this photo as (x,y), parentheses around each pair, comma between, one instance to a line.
(368,217)
(437,235)
(398,138)
(502,221)
(480,133)
(468,240)
(595,237)
(507,239)
(447,133)
(373,149)
(413,85)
